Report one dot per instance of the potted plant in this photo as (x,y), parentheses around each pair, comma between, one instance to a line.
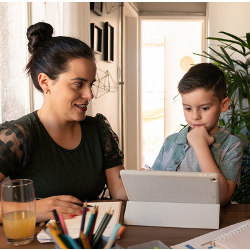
(232,55)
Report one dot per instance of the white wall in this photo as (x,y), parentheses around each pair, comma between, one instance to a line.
(107,103)
(132,111)
(230,17)
(67,18)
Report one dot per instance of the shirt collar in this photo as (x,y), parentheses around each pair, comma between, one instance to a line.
(182,136)
(220,137)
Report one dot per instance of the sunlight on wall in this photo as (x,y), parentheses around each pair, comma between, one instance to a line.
(167,51)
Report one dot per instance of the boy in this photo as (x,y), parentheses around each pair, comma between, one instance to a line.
(202,145)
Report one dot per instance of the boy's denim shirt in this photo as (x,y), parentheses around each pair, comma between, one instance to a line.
(227,151)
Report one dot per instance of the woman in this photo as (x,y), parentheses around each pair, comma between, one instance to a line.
(68,155)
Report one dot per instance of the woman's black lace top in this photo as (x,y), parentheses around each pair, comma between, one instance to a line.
(28,151)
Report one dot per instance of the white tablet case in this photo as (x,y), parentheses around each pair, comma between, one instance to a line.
(173,199)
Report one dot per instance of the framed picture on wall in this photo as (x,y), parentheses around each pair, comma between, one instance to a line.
(108,44)
(96,38)
(97,7)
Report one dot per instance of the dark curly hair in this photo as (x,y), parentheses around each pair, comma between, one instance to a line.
(50,55)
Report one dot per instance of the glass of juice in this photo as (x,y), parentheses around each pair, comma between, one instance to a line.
(18,211)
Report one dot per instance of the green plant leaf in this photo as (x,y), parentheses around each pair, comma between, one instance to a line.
(217,60)
(240,96)
(208,56)
(243,52)
(235,37)
(226,40)
(227,57)
(248,39)
(246,90)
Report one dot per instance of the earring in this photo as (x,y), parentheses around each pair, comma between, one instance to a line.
(46,91)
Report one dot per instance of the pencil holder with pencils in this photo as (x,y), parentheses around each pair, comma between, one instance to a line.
(101,244)
(88,238)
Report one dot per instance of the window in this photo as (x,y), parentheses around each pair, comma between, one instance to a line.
(14,85)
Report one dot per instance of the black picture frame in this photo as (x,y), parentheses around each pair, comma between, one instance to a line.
(96,38)
(97,7)
(108,50)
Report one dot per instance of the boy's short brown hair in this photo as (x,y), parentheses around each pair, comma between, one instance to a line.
(204,75)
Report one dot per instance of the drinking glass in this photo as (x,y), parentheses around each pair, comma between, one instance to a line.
(18,211)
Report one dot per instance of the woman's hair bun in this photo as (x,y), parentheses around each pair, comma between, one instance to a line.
(37,34)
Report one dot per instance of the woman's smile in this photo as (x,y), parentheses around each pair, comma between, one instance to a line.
(81,107)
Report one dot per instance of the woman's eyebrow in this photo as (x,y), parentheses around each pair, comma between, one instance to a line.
(79,79)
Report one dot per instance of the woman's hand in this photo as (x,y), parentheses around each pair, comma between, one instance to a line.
(65,204)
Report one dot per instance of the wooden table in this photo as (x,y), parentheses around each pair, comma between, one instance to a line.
(170,236)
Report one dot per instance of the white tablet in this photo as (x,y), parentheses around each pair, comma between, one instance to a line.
(171,187)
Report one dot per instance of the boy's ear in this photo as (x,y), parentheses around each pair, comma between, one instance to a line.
(225,104)
(44,82)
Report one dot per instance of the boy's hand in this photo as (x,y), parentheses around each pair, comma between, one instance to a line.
(146,167)
(199,137)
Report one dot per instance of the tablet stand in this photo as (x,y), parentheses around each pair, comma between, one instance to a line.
(161,214)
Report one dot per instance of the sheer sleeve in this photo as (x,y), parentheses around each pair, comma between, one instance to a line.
(12,144)
(112,155)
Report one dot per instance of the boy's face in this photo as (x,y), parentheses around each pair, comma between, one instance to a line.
(202,108)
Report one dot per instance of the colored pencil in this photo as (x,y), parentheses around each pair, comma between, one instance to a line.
(56,238)
(85,241)
(53,225)
(57,220)
(65,241)
(120,232)
(62,222)
(91,220)
(99,235)
(113,235)
(84,211)
(101,223)
(72,242)
(93,226)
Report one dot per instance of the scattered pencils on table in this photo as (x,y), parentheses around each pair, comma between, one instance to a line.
(59,233)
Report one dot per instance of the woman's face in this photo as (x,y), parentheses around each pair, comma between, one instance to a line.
(71,92)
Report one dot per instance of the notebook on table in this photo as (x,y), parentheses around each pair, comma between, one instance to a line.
(236,236)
